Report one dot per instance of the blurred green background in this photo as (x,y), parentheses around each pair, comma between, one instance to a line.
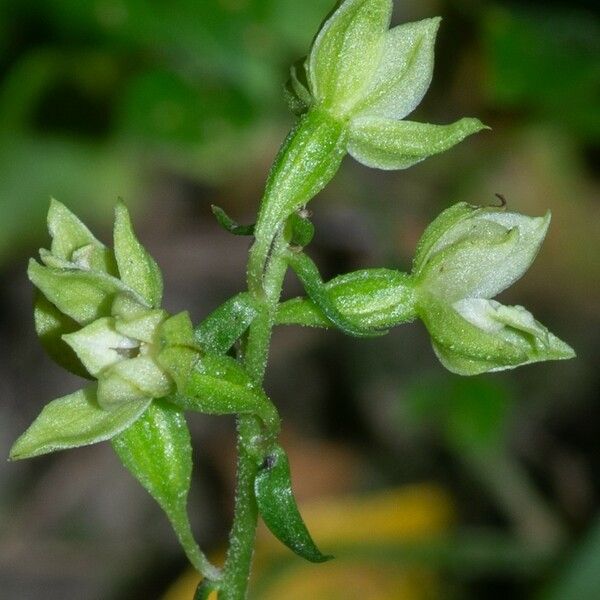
(176,105)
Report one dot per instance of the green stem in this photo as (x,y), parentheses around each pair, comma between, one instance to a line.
(236,571)
(307,161)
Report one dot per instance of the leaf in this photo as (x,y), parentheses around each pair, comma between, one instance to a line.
(404,72)
(309,275)
(136,267)
(51,325)
(219,385)
(223,327)
(386,144)
(278,508)
(346,52)
(157,451)
(72,421)
(82,295)
(228,224)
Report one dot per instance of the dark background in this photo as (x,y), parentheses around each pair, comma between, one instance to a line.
(177,105)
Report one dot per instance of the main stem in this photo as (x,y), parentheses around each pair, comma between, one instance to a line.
(236,571)
(307,161)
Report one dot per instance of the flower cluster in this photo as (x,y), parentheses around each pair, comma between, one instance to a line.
(98,314)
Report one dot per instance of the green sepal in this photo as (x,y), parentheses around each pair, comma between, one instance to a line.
(299,230)
(385,144)
(50,326)
(480,343)
(75,420)
(219,385)
(228,224)
(278,508)
(73,242)
(480,254)
(346,52)
(82,295)
(309,275)
(404,72)
(157,451)
(137,268)
(219,331)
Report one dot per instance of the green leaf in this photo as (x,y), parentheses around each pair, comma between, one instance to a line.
(346,52)
(82,295)
(385,144)
(404,72)
(228,224)
(223,327)
(309,275)
(219,385)
(136,267)
(278,508)
(51,325)
(157,451)
(72,421)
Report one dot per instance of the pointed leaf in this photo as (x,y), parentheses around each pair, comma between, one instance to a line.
(136,267)
(228,224)
(223,327)
(404,72)
(386,144)
(346,52)
(51,325)
(72,421)
(219,385)
(278,508)
(157,451)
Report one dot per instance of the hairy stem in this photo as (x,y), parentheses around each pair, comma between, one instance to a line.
(239,558)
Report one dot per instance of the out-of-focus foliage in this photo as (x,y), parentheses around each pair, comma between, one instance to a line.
(546,63)
(93,90)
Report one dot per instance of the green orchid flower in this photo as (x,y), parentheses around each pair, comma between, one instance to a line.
(98,314)
(371,77)
(467,256)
